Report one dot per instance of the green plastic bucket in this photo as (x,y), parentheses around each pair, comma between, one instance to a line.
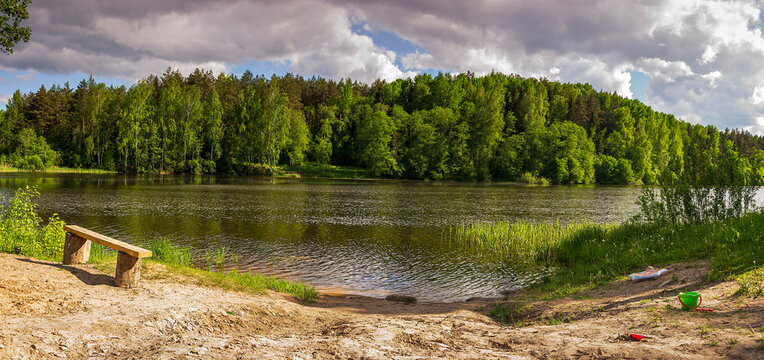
(690,300)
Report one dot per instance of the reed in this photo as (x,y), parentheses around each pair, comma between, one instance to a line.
(586,254)
(520,241)
(164,251)
(220,256)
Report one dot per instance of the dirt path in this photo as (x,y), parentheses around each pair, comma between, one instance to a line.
(54,311)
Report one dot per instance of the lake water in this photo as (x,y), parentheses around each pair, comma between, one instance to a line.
(369,237)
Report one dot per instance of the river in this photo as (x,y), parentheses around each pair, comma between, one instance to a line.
(373,237)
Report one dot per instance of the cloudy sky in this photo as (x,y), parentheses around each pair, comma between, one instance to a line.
(701,60)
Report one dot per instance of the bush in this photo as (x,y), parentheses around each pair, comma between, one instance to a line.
(609,170)
(21,230)
(33,153)
(528,178)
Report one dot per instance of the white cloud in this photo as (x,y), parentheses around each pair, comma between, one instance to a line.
(758,96)
(136,40)
(703,56)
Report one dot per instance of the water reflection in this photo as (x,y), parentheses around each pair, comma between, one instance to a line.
(365,236)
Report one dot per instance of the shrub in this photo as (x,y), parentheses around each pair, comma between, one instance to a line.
(33,153)
(21,229)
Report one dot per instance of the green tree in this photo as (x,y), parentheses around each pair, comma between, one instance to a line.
(188,125)
(136,111)
(486,123)
(274,124)
(322,142)
(569,154)
(92,113)
(374,135)
(299,138)
(12,13)
(213,124)
(167,114)
(33,152)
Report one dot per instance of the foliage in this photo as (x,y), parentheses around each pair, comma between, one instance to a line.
(609,170)
(33,153)
(12,13)
(528,178)
(445,127)
(22,231)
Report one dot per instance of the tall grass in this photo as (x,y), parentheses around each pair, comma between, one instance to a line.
(519,242)
(181,260)
(732,246)
(163,250)
(101,254)
(678,226)
(22,230)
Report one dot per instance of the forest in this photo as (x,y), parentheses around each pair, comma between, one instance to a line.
(446,127)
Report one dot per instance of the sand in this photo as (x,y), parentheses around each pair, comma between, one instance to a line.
(53,311)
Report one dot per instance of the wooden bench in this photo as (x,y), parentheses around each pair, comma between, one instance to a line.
(77,250)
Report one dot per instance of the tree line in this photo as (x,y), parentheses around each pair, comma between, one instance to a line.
(444,127)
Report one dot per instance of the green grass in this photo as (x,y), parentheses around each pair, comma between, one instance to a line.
(519,242)
(510,313)
(751,283)
(55,170)
(328,171)
(162,250)
(100,254)
(180,260)
(586,255)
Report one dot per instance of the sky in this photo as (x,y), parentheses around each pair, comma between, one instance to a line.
(698,59)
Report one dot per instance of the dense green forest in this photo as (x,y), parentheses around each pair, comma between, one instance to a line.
(464,127)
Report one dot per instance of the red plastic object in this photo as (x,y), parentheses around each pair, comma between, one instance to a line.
(704,309)
(637,337)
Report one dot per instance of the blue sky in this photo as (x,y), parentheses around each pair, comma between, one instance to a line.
(699,60)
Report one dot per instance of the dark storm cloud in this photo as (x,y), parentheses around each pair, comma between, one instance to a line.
(702,55)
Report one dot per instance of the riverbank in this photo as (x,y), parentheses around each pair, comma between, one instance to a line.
(54,170)
(57,311)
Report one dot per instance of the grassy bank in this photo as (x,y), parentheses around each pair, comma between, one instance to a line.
(208,270)
(588,254)
(22,232)
(55,170)
(305,170)
(328,171)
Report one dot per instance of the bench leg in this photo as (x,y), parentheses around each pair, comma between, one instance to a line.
(76,249)
(128,271)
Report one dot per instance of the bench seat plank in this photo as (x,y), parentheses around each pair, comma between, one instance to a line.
(124,247)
